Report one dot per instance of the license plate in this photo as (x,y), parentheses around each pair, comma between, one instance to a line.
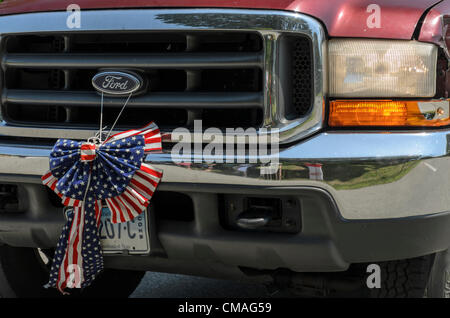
(131,237)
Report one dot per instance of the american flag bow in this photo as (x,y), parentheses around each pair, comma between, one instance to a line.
(87,175)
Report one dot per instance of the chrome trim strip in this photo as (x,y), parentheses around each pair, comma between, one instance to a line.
(369,175)
(270,81)
(269,23)
(53,132)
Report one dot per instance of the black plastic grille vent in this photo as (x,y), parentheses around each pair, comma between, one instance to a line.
(296,81)
(301,76)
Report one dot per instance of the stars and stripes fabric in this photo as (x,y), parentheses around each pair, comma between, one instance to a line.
(87,176)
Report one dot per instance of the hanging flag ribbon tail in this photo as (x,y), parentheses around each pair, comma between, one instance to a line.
(86,176)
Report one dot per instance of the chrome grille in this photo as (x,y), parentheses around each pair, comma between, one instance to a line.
(228,67)
(190,75)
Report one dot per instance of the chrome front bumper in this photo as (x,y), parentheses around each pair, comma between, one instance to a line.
(368,175)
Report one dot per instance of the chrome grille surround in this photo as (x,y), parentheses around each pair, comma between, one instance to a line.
(270,24)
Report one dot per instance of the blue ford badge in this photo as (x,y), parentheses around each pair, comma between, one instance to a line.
(116,83)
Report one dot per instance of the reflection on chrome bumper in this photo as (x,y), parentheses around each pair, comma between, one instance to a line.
(369,175)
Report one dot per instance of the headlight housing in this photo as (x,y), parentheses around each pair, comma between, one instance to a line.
(360,68)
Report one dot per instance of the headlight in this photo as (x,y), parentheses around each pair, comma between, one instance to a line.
(381,68)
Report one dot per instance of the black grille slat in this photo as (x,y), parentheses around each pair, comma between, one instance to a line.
(142,61)
(188,100)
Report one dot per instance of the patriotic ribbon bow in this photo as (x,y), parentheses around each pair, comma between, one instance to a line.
(85,175)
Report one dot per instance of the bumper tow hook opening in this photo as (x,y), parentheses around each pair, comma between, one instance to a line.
(256,217)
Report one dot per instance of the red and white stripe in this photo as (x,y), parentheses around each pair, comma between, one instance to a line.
(73,254)
(98,211)
(136,197)
(151,135)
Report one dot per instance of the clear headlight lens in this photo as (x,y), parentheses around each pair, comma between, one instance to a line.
(381,68)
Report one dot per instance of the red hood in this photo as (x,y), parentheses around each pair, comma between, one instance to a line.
(341,17)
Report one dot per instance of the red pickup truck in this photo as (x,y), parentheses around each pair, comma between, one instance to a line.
(356,93)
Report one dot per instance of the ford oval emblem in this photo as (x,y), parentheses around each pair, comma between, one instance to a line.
(116,83)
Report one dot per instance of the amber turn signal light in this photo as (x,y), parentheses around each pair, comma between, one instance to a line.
(389,113)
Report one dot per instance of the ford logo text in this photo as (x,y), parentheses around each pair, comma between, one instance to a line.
(116,83)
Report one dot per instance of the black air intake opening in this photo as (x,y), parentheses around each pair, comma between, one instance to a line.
(296,75)
(9,199)
(173,206)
